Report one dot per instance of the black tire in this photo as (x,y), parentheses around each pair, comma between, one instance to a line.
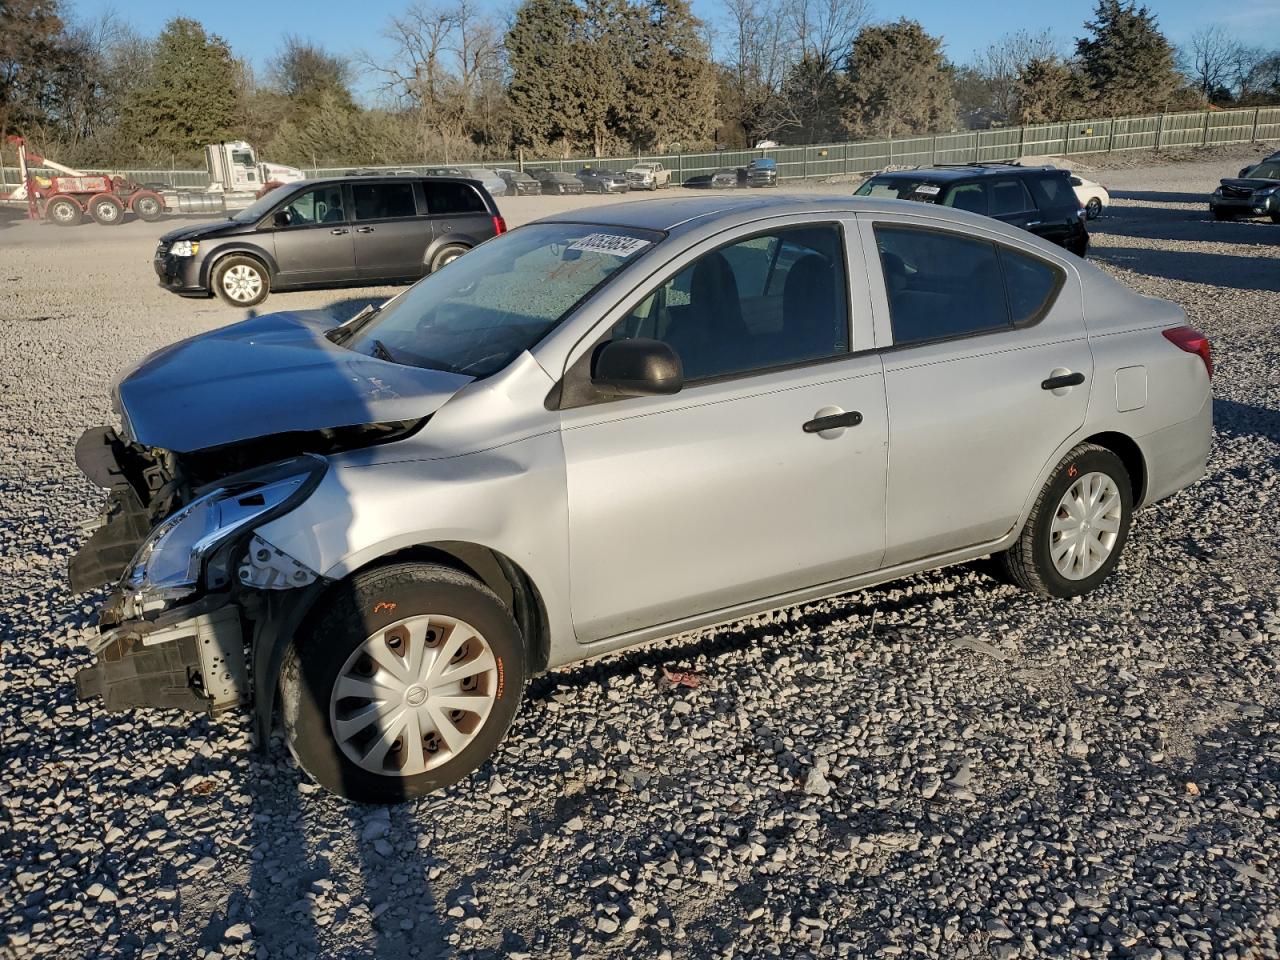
(1275,217)
(1028,562)
(446,255)
(107,210)
(63,211)
(1220,214)
(1093,209)
(148,206)
(351,613)
(236,267)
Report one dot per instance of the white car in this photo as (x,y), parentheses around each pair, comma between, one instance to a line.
(1093,196)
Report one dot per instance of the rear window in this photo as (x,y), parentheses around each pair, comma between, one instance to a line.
(1053,191)
(453,198)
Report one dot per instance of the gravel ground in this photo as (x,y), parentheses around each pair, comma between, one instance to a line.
(939,766)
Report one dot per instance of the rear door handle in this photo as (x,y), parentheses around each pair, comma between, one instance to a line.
(833,421)
(364,229)
(339,231)
(1063,380)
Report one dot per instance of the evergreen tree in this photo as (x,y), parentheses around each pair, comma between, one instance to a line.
(898,82)
(1046,91)
(539,56)
(671,95)
(190,96)
(1126,64)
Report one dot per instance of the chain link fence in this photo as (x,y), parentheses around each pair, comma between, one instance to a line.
(1152,132)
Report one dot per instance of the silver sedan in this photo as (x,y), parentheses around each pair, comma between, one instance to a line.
(607,427)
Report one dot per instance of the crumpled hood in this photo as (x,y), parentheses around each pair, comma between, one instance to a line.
(198,230)
(272,374)
(1249,183)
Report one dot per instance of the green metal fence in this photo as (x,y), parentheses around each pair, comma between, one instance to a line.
(1104,134)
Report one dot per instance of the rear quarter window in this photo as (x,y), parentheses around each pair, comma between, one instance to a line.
(1053,192)
(446,198)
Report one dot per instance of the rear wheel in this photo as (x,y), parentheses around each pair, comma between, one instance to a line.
(241,281)
(406,682)
(148,206)
(1077,528)
(446,255)
(63,211)
(1093,209)
(106,209)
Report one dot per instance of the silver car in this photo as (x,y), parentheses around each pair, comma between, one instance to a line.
(607,427)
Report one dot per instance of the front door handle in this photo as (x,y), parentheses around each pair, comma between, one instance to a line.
(364,229)
(831,421)
(338,231)
(1062,380)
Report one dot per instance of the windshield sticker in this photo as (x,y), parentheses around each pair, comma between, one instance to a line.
(928,189)
(610,243)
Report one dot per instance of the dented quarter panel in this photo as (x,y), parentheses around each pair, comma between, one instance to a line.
(487,470)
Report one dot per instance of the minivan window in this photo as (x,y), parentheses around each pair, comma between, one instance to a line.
(321,205)
(383,201)
(481,311)
(263,205)
(445,197)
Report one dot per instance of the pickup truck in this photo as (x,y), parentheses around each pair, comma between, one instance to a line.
(648,175)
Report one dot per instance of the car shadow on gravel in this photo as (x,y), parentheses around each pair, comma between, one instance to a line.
(1158,196)
(1246,420)
(1211,269)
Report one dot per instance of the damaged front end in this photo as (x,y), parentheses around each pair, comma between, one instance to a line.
(188,568)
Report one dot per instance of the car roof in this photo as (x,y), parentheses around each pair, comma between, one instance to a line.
(965,172)
(675,214)
(374,178)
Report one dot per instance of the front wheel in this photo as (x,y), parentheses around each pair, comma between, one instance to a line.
(241,281)
(1077,528)
(405,683)
(63,211)
(1220,214)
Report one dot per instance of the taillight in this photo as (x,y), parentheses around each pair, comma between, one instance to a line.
(1192,341)
(499,226)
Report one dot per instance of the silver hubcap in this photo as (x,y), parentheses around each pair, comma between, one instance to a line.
(108,211)
(63,212)
(146,206)
(413,695)
(1085,526)
(242,282)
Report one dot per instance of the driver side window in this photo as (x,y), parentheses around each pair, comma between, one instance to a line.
(321,205)
(766,301)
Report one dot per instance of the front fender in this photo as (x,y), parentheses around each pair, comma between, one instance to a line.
(244,247)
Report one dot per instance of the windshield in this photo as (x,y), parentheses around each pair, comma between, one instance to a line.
(894,188)
(1265,171)
(481,311)
(260,207)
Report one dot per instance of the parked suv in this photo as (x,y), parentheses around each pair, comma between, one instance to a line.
(1039,199)
(316,233)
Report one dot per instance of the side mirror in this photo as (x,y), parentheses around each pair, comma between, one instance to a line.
(282,218)
(638,368)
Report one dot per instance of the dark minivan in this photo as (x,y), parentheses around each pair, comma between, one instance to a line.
(337,232)
(1037,199)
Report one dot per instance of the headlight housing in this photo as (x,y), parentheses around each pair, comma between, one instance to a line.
(169,563)
(1266,191)
(185,248)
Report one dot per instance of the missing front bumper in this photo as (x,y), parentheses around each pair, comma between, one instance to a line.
(196,664)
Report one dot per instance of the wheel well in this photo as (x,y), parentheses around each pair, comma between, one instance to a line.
(1130,455)
(501,575)
(248,254)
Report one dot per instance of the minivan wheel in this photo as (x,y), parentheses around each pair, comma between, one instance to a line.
(1077,528)
(406,681)
(241,281)
(446,255)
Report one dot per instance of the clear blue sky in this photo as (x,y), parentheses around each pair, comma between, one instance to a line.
(254,29)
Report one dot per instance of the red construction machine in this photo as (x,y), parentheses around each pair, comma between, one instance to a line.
(64,199)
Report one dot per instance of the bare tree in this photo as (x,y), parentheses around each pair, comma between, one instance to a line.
(1211,61)
(823,30)
(1000,65)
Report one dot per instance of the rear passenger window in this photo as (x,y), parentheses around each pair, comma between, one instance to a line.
(1009,196)
(383,201)
(968,196)
(944,285)
(445,197)
(1031,284)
